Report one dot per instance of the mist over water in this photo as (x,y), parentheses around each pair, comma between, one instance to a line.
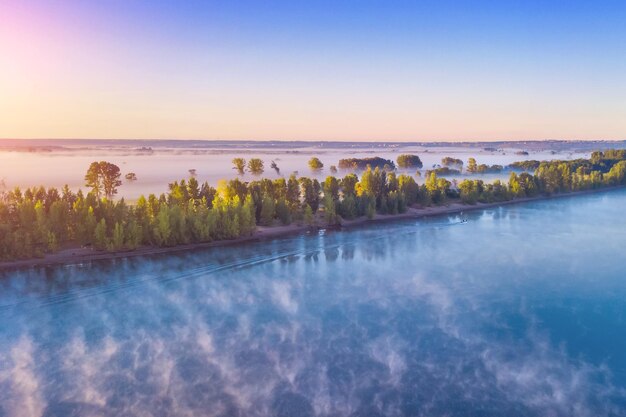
(518,312)
(155,170)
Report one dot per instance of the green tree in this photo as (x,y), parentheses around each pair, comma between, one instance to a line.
(348,185)
(311,192)
(331,188)
(315,164)
(255,166)
(162,230)
(248,224)
(470,191)
(408,188)
(282,211)
(308,215)
(110,178)
(134,235)
(347,208)
(293,194)
(471,165)
(100,235)
(330,212)
(437,188)
(239,165)
(117,240)
(103,178)
(93,179)
(267,211)
(409,161)
(451,162)
(515,187)
(193,188)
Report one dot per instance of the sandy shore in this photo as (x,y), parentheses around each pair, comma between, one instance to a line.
(84,255)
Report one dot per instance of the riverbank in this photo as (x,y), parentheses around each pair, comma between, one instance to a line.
(72,256)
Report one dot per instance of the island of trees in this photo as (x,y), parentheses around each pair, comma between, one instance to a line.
(315,164)
(363,163)
(443,171)
(36,220)
(451,162)
(409,161)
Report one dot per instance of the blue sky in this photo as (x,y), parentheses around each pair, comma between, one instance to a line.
(354,70)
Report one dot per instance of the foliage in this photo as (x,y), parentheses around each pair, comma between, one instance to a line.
(255,166)
(474,168)
(103,178)
(529,165)
(38,220)
(409,161)
(451,162)
(363,163)
(315,164)
(239,165)
(443,171)
(489,169)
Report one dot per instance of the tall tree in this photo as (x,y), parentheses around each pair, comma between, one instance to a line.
(93,180)
(103,178)
(471,165)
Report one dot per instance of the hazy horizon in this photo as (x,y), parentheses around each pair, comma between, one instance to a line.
(324,71)
(287,140)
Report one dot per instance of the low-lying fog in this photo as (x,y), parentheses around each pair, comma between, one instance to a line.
(156,168)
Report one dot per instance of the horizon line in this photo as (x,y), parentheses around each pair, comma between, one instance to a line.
(315,140)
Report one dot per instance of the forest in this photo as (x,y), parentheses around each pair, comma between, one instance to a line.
(36,221)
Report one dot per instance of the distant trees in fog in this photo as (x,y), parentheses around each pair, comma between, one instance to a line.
(315,164)
(443,171)
(409,161)
(363,163)
(474,168)
(255,166)
(39,220)
(451,162)
(527,165)
(275,167)
(239,165)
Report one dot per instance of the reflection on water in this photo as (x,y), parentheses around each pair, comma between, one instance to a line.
(520,311)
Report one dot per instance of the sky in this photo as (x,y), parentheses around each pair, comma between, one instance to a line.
(313,70)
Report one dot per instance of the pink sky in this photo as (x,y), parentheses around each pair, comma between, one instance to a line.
(119,69)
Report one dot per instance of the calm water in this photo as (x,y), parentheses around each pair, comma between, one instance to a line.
(519,312)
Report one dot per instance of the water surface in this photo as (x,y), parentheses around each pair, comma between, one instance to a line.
(521,311)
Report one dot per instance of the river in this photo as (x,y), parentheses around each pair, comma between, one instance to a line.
(520,311)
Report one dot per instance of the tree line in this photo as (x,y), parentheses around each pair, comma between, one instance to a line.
(36,220)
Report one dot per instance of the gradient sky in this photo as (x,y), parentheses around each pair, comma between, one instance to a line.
(327,70)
